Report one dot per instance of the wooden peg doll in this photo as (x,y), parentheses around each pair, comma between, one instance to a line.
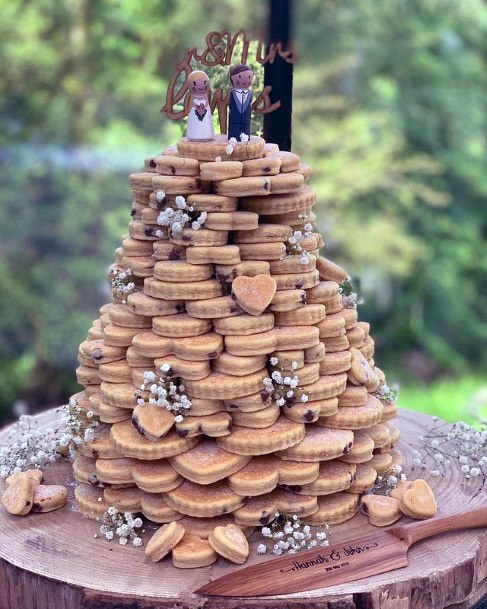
(200,122)
(240,104)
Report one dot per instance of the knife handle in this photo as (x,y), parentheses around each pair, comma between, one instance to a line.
(411,533)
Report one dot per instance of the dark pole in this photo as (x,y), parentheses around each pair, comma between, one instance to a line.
(279,75)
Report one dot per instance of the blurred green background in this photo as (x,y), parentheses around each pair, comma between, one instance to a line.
(389,109)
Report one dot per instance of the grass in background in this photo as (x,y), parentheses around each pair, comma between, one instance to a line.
(457,399)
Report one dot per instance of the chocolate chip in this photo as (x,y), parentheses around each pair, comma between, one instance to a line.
(266,169)
(299,285)
(133,211)
(95,454)
(212,354)
(28,503)
(36,507)
(266,186)
(148,232)
(309,415)
(182,432)
(173,170)
(294,488)
(96,354)
(93,480)
(303,298)
(152,163)
(186,238)
(137,426)
(265,395)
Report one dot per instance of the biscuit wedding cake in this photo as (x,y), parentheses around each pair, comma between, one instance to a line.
(231,376)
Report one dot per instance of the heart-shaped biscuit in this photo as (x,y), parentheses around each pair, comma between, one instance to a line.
(254,294)
(230,542)
(418,500)
(381,510)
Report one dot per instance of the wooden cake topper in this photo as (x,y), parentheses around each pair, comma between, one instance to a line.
(241,77)
(200,122)
(220,50)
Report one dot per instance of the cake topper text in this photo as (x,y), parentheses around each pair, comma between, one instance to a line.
(220,50)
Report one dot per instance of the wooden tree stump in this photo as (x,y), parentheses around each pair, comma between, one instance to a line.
(53,560)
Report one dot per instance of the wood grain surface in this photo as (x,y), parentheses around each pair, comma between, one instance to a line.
(53,560)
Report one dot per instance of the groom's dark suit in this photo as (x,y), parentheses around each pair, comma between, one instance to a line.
(239,120)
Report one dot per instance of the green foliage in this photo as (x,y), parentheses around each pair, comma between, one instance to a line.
(389,109)
(459,399)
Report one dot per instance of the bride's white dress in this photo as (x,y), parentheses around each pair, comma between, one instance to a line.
(199,129)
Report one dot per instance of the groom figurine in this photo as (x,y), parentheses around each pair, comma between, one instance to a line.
(240,104)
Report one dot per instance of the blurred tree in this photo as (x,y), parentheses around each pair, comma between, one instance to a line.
(403,92)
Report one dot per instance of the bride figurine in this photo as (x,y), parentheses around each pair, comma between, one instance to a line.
(200,122)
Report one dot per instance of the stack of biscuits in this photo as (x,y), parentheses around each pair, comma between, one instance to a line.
(230,375)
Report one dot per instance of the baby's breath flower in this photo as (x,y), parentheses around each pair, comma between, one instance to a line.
(121,525)
(183,215)
(349,297)
(291,536)
(459,442)
(282,387)
(164,392)
(27,446)
(244,138)
(386,394)
(121,281)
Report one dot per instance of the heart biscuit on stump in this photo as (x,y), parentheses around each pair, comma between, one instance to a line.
(254,294)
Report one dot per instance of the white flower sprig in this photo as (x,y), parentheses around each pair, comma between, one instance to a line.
(122,283)
(78,423)
(294,244)
(177,219)
(121,525)
(349,297)
(386,394)
(160,391)
(282,388)
(289,535)
(28,447)
(387,482)
(458,442)
(244,138)
(232,142)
